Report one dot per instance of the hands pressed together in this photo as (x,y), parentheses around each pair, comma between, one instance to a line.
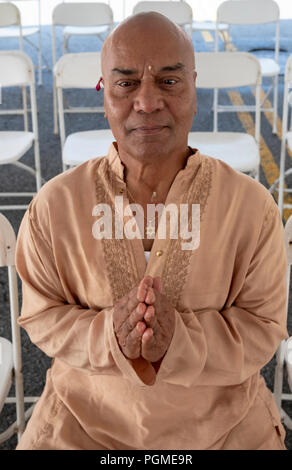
(144,321)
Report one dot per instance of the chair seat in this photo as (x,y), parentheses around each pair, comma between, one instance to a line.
(208,26)
(237,149)
(13,31)
(82,146)
(269,67)
(14,144)
(288,358)
(6,366)
(85,30)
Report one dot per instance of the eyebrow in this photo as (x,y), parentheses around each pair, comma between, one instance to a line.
(172,68)
(124,71)
(167,68)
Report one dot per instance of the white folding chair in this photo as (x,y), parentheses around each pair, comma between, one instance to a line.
(100,25)
(80,70)
(10,23)
(16,30)
(79,19)
(227,70)
(17,70)
(286,138)
(10,351)
(206,23)
(256,12)
(179,12)
(284,352)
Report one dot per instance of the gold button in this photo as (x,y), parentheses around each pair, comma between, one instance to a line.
(121,191)
(159,253)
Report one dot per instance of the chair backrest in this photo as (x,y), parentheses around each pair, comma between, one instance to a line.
(179,12)
(82,14)
(9,14)
(21,7)
(7,259)
(17,69)
(288,70)
(78,70)
(287,96)
(248,12)
(220,70)
(7,242)
(227,69)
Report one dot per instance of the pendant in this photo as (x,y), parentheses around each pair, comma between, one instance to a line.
(150,229)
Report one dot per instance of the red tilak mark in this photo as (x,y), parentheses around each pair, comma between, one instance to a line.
(98,86)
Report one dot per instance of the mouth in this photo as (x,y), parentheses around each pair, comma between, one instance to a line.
(149,130)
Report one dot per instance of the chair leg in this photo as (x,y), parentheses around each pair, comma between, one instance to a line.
(37,165)
(19,404)
(278,377)
(275,104)
(282,175)
(40,74)
(55,106)
(25,116)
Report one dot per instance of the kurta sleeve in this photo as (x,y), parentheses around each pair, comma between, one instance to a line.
(226,347)
(81,337)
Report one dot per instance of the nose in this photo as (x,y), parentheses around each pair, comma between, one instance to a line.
(148,98)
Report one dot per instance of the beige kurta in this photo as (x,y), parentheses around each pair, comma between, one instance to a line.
(229,295)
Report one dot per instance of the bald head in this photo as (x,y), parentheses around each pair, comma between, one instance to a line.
(146,29)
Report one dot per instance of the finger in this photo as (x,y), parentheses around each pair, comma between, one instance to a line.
(157,284)
(136,316)
(150,296)
(132,302)
(133,343)
(141,309)
(143,288)
(150,317)
(147,336)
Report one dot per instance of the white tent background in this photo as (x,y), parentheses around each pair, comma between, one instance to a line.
(202,10)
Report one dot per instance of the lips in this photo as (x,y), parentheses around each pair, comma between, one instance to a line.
(149,130)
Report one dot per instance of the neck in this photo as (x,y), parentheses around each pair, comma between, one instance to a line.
(144,177)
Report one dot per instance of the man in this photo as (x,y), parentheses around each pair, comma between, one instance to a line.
(164,355)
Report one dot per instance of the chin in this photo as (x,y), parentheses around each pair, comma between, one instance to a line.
(149,150)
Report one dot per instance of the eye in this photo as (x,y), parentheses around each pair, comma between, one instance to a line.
(125,84)
(169,81)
